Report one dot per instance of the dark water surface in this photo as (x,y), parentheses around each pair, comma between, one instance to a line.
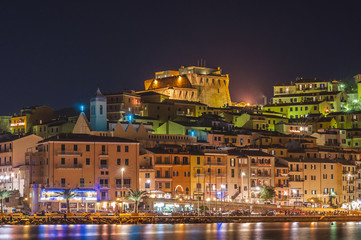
(308,231)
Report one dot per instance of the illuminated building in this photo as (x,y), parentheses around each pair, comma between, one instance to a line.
(281,184)
(14,167)
(22,124)
(198,84)
(171,109)
(299,110)
(122,103)
(85,161)
(316,178)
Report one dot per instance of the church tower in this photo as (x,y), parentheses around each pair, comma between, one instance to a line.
(98,112)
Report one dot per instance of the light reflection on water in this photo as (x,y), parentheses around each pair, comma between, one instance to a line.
(307,231)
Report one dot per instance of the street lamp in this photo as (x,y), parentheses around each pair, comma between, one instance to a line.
(122,170)
(294,192)
(242,174)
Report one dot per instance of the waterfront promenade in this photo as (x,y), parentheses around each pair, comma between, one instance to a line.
(37,220)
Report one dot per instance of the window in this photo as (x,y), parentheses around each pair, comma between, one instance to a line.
(126,149)
(81,181)
(63,182)
(75,161)
(62,147)
(87,161)
(101,109)
(118,148)
(62,160)
(313,192)
(118,161)
(75,148)
(147,175)
(88,148)
(232,173)
(147,185)
(126,162)
(198,160)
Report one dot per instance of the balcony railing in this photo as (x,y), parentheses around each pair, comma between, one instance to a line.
(103,154)
(161,176)
(282,175)
(199,175)
(296,170)
(215,164)
(70,153)
(163,163)
(125,186)
(282,185)
(103,185)
(297,180)
(103,166)
(146,167)
(67,166)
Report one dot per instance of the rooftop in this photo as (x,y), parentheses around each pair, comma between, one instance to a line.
(70,137)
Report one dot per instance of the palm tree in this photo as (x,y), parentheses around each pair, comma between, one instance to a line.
(67,194)
(4,194)
(267,193)
(136,196)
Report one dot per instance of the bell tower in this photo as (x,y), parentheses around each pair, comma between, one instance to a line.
(98,112)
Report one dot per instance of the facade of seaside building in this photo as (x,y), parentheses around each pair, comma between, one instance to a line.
(314,180)
(199,84)
(15,168)
(103,168)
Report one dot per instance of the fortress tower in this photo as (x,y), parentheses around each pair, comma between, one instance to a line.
(198,84)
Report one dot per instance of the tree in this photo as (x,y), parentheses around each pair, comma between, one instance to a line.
(4,194)
(136,196)
(267,193)
(67,194)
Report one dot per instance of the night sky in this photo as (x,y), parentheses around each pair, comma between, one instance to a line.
(57,53)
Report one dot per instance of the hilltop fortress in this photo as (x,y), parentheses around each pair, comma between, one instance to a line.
(197,84)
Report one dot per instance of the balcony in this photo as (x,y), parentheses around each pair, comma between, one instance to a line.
(296,170)
(297,180)
(281,198)
(221,175)
(282,185)
(69,166)
(285,175)
(199,175)
(125,186)
(296,196)
(163,163)
(146,167)
(65,153)
(103,186)
(103,166)
(159,177)
(103,154)
(214,164)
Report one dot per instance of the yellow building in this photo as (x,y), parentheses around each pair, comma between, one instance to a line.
(22,124)
(299,110)
(313,180)
(198,84)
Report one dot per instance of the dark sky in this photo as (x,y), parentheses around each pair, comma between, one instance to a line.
(58,52)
